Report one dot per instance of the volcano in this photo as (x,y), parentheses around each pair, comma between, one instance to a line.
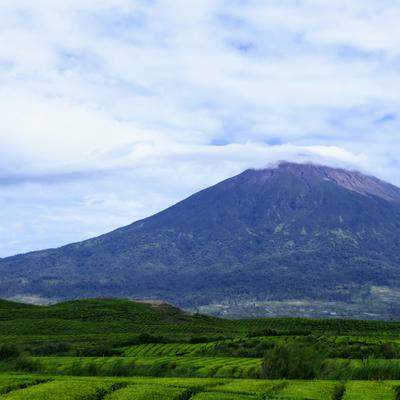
(295,239)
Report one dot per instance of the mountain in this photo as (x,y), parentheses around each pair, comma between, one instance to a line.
(294,239)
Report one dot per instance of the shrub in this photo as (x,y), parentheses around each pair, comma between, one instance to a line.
(92,369)
(200,339)
(372,369)
(146,338)
(143,338)
(26,364)
(102,350)
(118,368)
(338,391)
(8,351)
(50,349)
(389,350)
(293,361)
(264,332)
(337,369)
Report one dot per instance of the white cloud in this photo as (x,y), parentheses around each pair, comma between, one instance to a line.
(112,110)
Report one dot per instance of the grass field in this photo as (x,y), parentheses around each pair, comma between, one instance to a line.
(119,349)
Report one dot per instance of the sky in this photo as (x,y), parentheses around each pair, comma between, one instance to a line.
(112,110)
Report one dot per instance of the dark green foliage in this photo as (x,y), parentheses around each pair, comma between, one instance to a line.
(397,393)
(101,350)
(339,391)
(25,364)
(147,338)
(18,382)
(92,369)
(337,370)
(359,348)
(142,338)
(239,348)
(8,351)
(202,339)
(371,369)
(50,349)
(122,369)
(269,332)
(389,350)
(292,361)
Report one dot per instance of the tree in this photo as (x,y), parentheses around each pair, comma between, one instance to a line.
(293,361)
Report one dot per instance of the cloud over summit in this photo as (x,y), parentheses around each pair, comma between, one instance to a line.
(115,109)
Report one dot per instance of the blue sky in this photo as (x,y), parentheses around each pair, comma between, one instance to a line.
(115,109)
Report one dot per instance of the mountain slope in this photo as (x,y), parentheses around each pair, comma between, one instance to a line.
(294,232)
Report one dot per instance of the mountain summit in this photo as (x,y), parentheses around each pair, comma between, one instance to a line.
(295,239)
(352,180)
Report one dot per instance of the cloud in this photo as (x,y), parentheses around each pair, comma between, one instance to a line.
(112,111)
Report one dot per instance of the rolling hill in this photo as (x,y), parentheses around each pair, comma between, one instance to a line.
(294,239)
(99,320)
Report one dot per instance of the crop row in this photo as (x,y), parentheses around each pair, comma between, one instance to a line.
(223,367)
(167,349)
(200,366)
(72,388)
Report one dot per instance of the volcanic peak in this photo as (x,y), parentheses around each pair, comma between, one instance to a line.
(352,180)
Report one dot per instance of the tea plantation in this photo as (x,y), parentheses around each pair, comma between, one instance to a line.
(120,349)
(87,388)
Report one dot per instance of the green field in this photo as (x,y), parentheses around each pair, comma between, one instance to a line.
(119,349)
(78,388)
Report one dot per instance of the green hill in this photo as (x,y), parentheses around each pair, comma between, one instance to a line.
(112,319)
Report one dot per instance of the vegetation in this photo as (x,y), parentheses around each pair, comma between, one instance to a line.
(117,349)
(74,388)
(146,392)
(293,361)
(63,390)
